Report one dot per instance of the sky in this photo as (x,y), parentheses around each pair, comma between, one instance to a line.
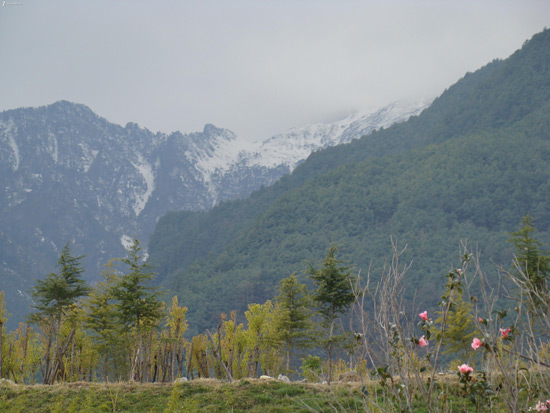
(256,67)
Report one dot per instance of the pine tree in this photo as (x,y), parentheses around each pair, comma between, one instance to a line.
(333,296)
(532,265)
(102,319)
(460,328)
(294,321)
(138,306)
(60,289)
(54,296)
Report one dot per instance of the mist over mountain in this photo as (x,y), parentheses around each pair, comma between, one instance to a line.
(69,174)
(467,169)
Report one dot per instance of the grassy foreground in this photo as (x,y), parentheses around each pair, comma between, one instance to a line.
(209,395)
(197,395)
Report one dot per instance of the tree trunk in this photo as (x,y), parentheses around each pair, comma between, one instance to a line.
(57,364)
(287,358)
(106,366)
(25,345)
(189,368)
(1,353)
(329,350)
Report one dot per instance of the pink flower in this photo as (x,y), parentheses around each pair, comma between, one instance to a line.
(424,315)
(480,320)
(477,343)
(465,369)
(541,406)
(422,342)
(505,332)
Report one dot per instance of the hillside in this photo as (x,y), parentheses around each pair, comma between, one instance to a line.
(467,168)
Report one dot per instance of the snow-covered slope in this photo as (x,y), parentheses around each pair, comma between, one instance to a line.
(295,145)
(68,174)
(235,160)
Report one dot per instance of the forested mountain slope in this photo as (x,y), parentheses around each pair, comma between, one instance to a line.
(469,167)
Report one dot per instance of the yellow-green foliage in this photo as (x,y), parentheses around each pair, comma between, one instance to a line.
(460,328)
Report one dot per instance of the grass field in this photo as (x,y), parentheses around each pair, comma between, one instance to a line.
(193,396)
(208,395)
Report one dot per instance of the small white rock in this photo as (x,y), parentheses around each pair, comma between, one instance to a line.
(283,378)
(264,377)
(6,382)
(180,380)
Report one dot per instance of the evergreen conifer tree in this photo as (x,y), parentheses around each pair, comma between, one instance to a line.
(138,305)
(294,321)
(460,328)
(333,296)
(54,296)
(532,265)
(102,319)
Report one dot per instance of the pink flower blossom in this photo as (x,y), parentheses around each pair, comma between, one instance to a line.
(541,406)
(505,332)
(464,369)
(422,342)
(477,343)
(424,315)
(480,320)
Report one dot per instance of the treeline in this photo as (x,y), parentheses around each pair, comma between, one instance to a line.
(121,330)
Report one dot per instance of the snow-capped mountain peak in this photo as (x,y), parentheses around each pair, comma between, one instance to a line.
(291,147)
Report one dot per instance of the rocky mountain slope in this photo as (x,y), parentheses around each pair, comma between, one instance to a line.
(69,174)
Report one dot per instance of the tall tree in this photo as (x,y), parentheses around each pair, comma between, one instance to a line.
(263,341)
(294,321)
(176,326)
(3,319)
(460,328)
(25,354)
(102,319)
(531,264)
(333,296)
(138,305)
(54,296)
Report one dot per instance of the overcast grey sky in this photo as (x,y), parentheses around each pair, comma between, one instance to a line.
(256,67)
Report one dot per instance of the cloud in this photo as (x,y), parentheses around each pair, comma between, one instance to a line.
(255,67)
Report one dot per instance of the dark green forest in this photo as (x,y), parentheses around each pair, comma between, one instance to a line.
(466,170)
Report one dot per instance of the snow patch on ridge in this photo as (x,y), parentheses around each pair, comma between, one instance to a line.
(146,171)
(54,148)
(88,156)
(13,145)
(223,152)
